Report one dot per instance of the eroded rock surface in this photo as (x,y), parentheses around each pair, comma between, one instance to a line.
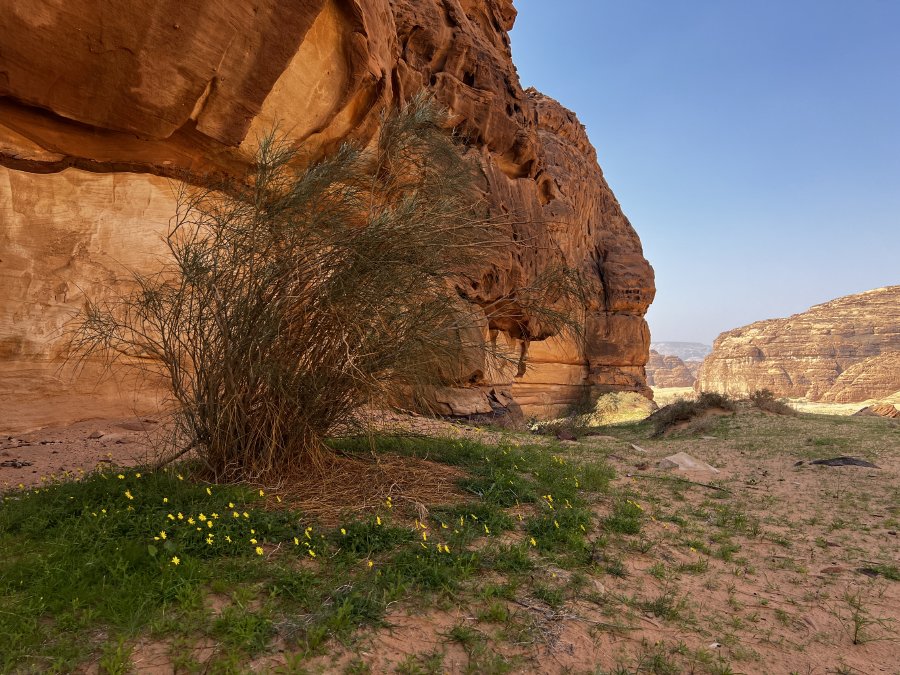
(842,351)
(670,371)
(100,102)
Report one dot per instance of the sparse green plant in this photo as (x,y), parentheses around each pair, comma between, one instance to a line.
(859,621)
(684,411)
(116,658)
(764,399)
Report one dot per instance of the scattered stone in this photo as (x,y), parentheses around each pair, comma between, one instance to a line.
(709,438)
(844,461)
(566,435)
(800,463)
(867,571)
(638,448)
(15,464)
(685,462)
(95,435)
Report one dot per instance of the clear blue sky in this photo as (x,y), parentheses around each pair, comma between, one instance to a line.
(754,144)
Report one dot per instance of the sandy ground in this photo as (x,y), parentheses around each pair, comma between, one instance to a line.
(781,571)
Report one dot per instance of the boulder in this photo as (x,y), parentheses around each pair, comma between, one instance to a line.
(682,461)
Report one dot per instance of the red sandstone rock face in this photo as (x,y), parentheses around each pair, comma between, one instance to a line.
(670,371)
(99,102)
(842,351)
(882,410)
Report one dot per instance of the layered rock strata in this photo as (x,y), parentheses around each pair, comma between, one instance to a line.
(843,351)
(100,103)
(670,371)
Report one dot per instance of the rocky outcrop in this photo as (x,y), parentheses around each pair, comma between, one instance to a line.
(879,410)
(670,371)
(100,104)
(842,351)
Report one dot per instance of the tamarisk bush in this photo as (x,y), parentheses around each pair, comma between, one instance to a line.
(293,297)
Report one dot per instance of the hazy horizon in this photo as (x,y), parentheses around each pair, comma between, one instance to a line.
(755,147)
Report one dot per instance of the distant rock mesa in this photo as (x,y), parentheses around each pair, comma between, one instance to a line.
(670,371)
(843,351)
(100,106)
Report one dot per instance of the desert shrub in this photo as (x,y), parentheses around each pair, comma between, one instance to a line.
(711,399)
(294,297)
(685,411)
(765,400)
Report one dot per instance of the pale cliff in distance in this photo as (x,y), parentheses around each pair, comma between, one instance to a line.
(100,106)
(843,351)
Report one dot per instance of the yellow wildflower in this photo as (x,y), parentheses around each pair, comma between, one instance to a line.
(176,560)
(128,494)
(370,563)
(201,517)
(227,538)
(343,532)
(556,524)
(162,534)
(208,491)
(296,541)
(253,541)
(533,542)
(137,475)
(259,550)
(120,477)
(191,520)
(378,520)
(165,500)
(180,516)
(262,493)
(209,523)
(235,514)
(230,505)
(246,515)
(180,477)
(312,553)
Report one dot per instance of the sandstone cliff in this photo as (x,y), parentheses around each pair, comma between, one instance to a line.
(841,351)
(101,102)
(670,371)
